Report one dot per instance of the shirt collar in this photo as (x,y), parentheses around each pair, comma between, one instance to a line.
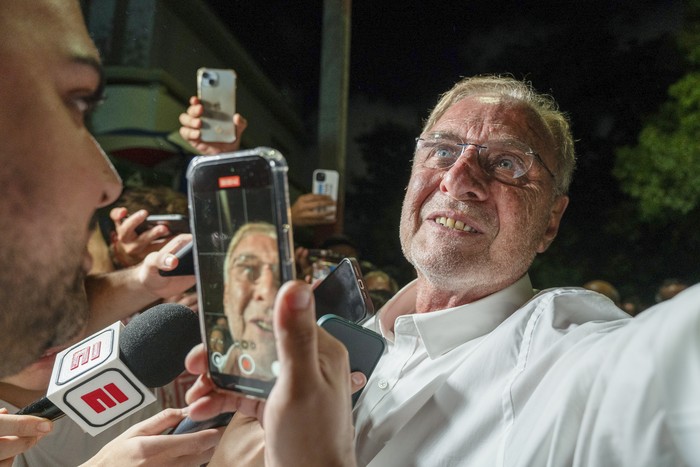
(443,330)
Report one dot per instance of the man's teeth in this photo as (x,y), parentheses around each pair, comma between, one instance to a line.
(264,326)
(453,224)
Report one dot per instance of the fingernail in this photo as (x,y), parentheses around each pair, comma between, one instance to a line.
(169,260)
(44,427)
(357,379)
(302,299)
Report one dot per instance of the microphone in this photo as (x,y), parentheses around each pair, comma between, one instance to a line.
(106,377)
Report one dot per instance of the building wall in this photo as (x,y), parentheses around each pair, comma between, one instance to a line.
(152,49)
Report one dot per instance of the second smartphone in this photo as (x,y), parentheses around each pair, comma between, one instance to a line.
(343,293)
(243,250)
(216,89)
(325,182)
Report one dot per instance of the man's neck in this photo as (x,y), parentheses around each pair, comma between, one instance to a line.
(19,397)
(433,295)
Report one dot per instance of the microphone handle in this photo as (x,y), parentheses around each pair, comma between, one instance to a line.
(42,408)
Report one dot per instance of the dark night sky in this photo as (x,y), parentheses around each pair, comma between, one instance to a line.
(406,52)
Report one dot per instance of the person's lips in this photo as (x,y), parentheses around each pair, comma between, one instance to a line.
(262,324)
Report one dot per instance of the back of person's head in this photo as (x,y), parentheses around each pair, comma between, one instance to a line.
(669,288)
(605,288)
(380,280)
(154,199)
(543,105)
(342,245)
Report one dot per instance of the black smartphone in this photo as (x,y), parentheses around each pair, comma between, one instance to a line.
(177,223)
(243,252)
(365,347)
(185,264)
(343,293)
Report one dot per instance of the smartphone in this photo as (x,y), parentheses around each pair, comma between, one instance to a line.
(177,223)
(216,89)
(343,293)
(243,252)
(365,347)
(325,182)
(185,264)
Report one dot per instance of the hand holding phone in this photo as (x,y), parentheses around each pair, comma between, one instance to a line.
(239,205)
(185,264)
(325,182)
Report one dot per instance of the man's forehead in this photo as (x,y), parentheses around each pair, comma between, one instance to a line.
(485,114)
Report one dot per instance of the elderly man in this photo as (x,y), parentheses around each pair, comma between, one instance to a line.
(251,282)
(478,370)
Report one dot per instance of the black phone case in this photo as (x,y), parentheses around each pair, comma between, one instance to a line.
(365,347)
(342,293)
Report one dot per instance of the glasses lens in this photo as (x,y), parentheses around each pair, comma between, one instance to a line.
(250,269)
(247,269)
(437,153)
(506,161)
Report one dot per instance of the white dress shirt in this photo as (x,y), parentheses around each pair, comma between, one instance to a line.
(501,381)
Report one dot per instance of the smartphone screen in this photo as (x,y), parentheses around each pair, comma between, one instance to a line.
(342,293)
(243,252)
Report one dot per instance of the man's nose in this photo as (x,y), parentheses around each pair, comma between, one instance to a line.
(111,181)
(466,179)
(267,285)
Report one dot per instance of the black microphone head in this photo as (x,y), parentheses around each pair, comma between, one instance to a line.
(154,344)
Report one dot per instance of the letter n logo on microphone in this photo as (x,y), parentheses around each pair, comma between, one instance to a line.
(105,398)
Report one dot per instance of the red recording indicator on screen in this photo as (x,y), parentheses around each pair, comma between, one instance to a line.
(230,181)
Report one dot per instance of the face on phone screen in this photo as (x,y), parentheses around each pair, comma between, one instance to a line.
(239,274)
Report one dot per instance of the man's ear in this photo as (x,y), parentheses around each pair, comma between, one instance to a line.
(555,214)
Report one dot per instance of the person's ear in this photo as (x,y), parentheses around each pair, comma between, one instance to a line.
(555,214)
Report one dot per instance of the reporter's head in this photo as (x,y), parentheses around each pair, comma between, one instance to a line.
(53,173)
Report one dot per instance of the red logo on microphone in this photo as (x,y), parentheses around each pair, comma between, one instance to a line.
(104,398)
(84,355)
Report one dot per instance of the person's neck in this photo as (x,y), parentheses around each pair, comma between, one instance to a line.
(19,397)
(434,295)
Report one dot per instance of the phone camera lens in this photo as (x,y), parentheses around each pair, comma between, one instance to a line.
(210,78)
(320,177)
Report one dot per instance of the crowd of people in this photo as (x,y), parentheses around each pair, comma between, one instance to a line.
(479,368)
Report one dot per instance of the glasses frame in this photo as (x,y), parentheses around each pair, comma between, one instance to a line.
(464,145)
(240,262)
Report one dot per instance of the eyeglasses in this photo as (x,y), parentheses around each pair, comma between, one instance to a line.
(506,161)
(249,268)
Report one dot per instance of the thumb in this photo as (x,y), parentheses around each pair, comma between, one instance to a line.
(159,422)
(295,329)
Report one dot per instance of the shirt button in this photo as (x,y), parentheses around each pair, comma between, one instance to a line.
(383,384)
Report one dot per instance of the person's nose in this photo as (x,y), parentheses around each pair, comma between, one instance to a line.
(109,178)
(466,180)
(267,284)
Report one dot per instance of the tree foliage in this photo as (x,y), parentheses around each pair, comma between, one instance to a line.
(662,172)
